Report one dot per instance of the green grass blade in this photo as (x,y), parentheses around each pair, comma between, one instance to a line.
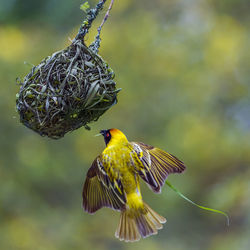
(199,206)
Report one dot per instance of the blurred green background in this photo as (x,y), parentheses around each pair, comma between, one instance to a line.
(184,67)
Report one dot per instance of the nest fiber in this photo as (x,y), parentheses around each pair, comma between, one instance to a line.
(67,90)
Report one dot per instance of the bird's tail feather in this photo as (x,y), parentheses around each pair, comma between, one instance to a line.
(137,224)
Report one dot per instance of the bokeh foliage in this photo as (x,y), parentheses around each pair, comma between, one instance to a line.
(184,69)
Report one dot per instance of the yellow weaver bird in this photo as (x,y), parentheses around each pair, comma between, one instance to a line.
(113,181)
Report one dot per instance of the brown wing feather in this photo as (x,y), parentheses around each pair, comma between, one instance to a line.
(98,191)
(157,165)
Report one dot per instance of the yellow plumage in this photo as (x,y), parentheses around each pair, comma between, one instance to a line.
(113,181)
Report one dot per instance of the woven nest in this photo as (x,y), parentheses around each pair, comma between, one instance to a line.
(67,90)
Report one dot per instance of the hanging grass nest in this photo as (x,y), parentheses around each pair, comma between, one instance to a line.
(68,89)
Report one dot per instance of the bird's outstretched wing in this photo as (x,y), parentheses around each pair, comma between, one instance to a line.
(156,165)
(99,192)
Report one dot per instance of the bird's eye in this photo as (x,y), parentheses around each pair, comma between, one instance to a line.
(107,135)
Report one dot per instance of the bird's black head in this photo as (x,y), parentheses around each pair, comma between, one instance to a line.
(107,135)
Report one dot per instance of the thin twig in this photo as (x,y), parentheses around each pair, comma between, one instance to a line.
(106,17)
(91,16)
(96,44)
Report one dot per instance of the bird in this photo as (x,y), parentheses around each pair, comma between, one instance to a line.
(113,181)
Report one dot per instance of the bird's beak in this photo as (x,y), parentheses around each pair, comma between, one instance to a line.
(102,132)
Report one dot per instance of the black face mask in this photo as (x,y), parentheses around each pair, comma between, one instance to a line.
(107,136)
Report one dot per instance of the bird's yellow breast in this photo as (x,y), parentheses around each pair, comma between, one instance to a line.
(118,162)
